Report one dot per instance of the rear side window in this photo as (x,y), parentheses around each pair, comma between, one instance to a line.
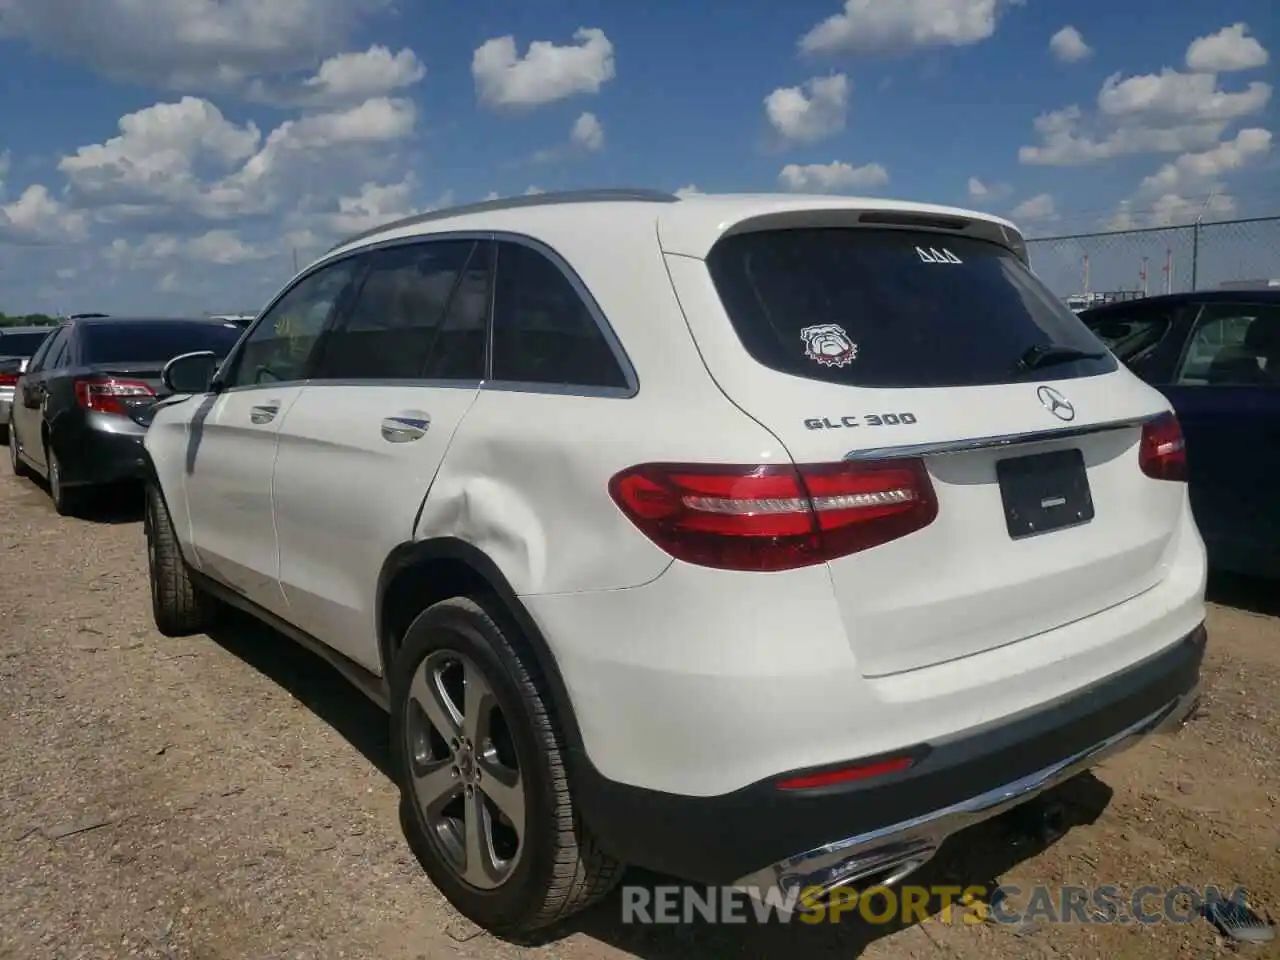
(154,341)
(421,312)
(1130,336)
(543,331)
(891,308)
(21,344)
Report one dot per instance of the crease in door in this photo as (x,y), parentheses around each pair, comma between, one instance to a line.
(278,423)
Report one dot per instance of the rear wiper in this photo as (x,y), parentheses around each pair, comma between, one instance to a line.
(1048,354)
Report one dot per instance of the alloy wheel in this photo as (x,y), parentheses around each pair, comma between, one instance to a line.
(464,770)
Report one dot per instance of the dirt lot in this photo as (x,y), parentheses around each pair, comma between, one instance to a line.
(226,797)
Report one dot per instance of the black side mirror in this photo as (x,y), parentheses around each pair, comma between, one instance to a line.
(190,372)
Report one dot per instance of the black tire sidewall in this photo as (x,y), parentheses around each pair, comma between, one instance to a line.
(453,626)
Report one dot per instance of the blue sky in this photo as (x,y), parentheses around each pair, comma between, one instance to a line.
(175,155)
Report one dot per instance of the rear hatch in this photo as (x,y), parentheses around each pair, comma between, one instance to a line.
(860,344)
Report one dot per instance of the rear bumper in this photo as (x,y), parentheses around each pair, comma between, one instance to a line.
(762,837)
(100,449)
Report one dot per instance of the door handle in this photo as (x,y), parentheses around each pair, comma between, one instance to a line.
(405,429)
(264,413)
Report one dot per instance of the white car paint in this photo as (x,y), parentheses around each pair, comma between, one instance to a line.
(686,679)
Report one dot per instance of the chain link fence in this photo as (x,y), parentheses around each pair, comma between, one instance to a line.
(1160,259)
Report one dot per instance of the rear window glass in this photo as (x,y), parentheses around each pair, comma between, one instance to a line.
(21,344)
(891,308)
(155,341)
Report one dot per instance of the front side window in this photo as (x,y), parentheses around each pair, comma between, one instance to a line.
(897,308)
(278,348)
(543,332)
(1233,345)
(420,313)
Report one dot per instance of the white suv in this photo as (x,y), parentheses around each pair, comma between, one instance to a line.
(756,540)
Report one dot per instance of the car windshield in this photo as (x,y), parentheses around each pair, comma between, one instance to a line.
(155,341)
(21,344)
(897,308)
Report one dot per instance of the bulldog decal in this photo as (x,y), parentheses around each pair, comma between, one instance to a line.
(829,345)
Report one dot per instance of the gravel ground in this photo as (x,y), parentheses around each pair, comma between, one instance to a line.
(227,796)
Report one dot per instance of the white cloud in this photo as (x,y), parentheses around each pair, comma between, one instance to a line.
(532,191)
(688,191)
(888,26)
(546,73)
(373,205)
(219,247)
(810,112)
(359,76)
(1068,46)
(1229,49)
(154,156)
(1200,172)
(587,133)
(39,216)
(1168,112)
(6,160)
(832,177)
(156,163)
(1184,97)
(981,192)
(1039,207)
(187,44)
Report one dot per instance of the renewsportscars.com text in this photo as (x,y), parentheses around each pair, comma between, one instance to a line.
(1005,904)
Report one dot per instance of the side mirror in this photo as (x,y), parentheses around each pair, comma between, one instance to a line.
(190,372)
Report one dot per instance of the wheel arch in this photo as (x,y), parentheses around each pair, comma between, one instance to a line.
(419,573)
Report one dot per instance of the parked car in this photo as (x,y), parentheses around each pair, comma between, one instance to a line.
(763,541)
(1216,356)
(83,403)
(17,344)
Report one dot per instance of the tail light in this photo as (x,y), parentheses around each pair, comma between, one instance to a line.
(770,517)
(107,394)
(1163,451)
(8,378)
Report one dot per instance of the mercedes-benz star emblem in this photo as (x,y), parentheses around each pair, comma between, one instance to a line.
(1056,403)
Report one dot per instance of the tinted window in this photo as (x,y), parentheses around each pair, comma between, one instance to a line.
(420,312)
(893,308)
(1234,344)
(542,330)
(154,341)
(1131,336)
(21,344)
(50,346)
(280,345)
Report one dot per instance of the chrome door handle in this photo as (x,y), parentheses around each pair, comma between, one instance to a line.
(264,413)
(405,429)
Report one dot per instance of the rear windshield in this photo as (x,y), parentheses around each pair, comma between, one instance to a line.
(891,308)
(21,344)
(155,341)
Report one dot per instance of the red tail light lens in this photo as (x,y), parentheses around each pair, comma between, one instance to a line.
(831,778)
(8,379)
(1163,451)
(107,394)
(769,517)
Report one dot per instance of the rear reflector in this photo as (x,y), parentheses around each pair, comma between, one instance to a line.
(830,778)
(766,517)
(1163,451)
(107,394)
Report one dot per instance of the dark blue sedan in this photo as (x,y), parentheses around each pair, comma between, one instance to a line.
(1216,355)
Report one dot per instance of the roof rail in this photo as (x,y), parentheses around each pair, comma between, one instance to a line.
(510,203)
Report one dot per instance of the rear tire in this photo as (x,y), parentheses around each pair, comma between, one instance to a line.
(65,501)
(178,606)
(549,867)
